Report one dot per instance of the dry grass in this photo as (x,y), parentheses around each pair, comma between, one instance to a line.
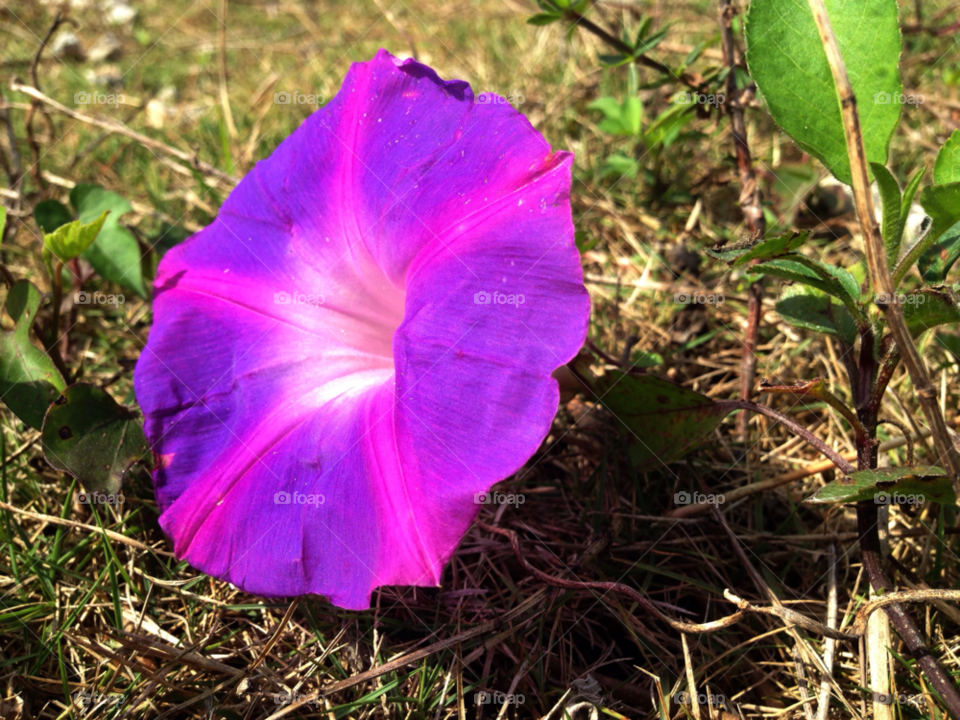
(117,616)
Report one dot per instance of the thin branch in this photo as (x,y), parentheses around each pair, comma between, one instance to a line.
(121,129)
(794,427)
(750,205)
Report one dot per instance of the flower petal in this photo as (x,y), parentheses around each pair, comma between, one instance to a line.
(327,341)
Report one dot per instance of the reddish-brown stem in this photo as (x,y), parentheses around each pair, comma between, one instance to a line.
(751,207)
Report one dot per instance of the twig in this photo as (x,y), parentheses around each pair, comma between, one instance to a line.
(58,20)
(607,587)
(794,427)
(830,644)
(51,519)
(121,129)
(224,93)
(691,679)
(802,685)
(750,205)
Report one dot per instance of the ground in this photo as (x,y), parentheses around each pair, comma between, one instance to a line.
(117,617)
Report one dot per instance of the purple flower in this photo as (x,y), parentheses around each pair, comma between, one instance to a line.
(363,340)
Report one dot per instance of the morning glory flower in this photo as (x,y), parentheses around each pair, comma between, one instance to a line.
(363,340)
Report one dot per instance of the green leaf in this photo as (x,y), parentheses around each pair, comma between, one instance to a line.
(667,125)
(930,307)
(942,204)
(584,242)
(664,421)
(645,359)
(630,115)
(918,484)
(88,434)
(946,169)
(646,22)
(70,240)
(115,254)
(613,61)
(3,221)
(893,220)
(650,43)
(813,311)
(620,165)
(843,285)
(772,248)
(787,60)
(937,260)
(543,18)
(29,381)
(50,215)
(169,237)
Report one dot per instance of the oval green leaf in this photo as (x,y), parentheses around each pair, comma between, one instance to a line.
(29,381)
(788,63)
(88,434)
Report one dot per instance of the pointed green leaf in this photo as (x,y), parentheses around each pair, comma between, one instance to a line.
(842,284)
(937,260)
(892,484)
(619,165)
(772,248)
(543,18)
(663,421)
(70,240)
(50,215)
(946,169)
(630,115)
(115,254)
(813,311)
(930,307)
(787,60)
(942,204)
(88,434)
(893,220)
(667,125)
(29,381)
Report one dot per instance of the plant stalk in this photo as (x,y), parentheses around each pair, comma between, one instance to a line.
(881,281)
(901,620)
